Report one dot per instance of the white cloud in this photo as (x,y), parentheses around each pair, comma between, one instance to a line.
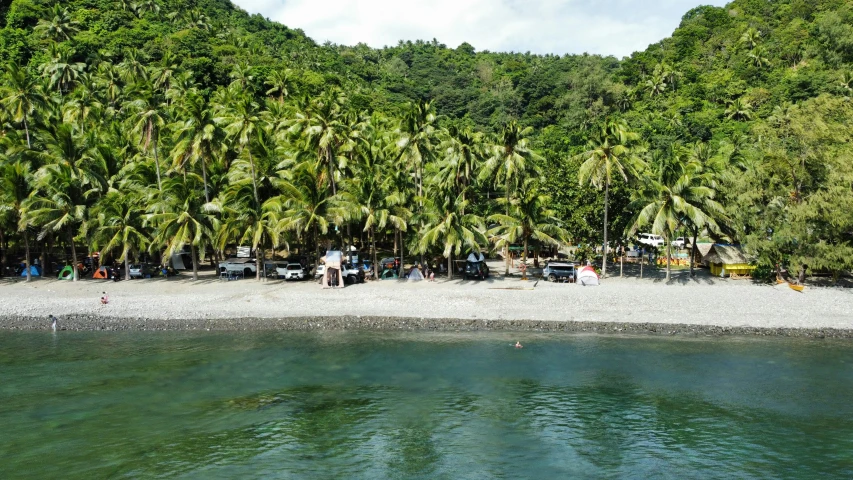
(608,27)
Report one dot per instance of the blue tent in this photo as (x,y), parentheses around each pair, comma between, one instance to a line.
(34,271)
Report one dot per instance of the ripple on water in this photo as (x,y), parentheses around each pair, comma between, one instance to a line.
(372,405)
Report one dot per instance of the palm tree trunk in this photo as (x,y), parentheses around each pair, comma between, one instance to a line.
(450,266)
(73,254)
(693,251)
(27,253)
(668,257)
(259,257)
(506,248)
(373,246)
(195,261)
(330,156)
(606,205)
(316,249)
(156,162)
(204,177)
(402,249)
(524,275)
(126,265)
(254,178)
(27,131)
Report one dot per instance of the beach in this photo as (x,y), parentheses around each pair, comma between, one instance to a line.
(704,305)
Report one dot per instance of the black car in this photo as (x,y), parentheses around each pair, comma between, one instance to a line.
(478,270)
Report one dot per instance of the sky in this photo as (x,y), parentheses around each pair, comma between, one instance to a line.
(606,27)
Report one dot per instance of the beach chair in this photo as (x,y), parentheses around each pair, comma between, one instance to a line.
(223,273)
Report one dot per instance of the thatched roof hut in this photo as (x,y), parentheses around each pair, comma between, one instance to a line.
(702,249)
(727,259)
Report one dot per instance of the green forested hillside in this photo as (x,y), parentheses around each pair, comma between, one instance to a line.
(149,125)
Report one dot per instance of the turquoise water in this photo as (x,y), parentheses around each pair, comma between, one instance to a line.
(371,405)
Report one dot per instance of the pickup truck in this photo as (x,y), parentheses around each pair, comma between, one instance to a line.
(244,266)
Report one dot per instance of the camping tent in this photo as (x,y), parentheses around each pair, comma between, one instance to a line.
(102,273)
(333,261)
(67,273)
(415,275)
(34,271)
(587,276)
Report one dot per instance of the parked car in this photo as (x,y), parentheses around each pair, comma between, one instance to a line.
(352,274)
(294,271)
(679,242)
(651,240)
(319,271)
(478,270)
(560,272)
(142,270)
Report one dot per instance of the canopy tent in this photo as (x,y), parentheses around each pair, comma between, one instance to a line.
(332,274)
(587,276)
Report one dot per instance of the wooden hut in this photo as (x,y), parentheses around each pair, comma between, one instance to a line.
(702,249)
(728,260)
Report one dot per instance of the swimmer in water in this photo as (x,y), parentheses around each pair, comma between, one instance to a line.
(53,323)
(518,345)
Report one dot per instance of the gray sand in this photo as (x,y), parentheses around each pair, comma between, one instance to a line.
(705,305)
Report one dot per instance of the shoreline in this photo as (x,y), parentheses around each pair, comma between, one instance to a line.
(93,323)
(704,305)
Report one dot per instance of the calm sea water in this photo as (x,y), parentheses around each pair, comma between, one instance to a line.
(370,405)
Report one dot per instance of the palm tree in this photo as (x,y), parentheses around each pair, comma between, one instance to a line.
(240,120)
(59,27)
(751,38)
(117,224)
(739,109)
(16,185)
(150,115)
(59,203)
(62,71)
(281,82)
(307,207)
(372,187)
(669,197)
(446,227)
(529,218)
(464,151)
(180,218)
(759,57)
(609,152)
(321,128)
(511,162)
(417,139)
(20,94)
(198,138)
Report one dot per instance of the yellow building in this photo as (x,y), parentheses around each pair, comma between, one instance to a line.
(727,260)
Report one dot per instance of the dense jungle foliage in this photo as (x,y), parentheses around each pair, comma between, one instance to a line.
(151,125)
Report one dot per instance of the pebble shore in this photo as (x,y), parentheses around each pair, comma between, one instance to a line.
(650,306)
(100,323)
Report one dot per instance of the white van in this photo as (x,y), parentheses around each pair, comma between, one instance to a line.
(651,240)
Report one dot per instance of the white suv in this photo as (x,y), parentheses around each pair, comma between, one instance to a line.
(294,271)
(651,240)
(679,242)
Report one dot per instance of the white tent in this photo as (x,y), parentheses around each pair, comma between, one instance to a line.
(587,276)
(415,275)
(333,261)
